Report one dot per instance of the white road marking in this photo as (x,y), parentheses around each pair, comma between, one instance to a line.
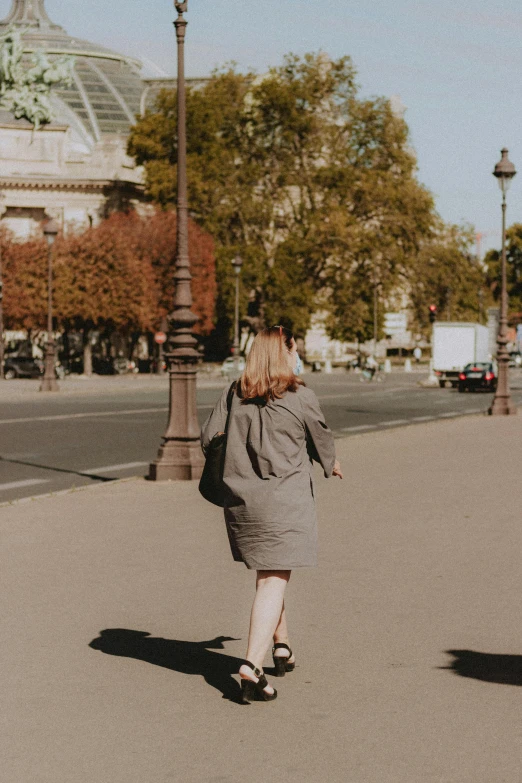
(393,423)
(359,428)
(448,415)
(349,392)
(113,468)
(422,418)
(396,390)
(94,414)
(26,483)
(472,410)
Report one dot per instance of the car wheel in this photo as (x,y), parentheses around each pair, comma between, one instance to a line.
(461,389)
(442,384)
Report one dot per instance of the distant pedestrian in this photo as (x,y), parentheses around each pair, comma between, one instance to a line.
(370,366)
(417,354)
(276,428)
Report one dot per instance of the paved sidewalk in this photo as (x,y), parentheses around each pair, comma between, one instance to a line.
(125,618)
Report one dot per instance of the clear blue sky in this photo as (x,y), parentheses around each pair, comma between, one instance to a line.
(456,65)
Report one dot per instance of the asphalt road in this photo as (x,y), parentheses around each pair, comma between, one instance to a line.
(55,442)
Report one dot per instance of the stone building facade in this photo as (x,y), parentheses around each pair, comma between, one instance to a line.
(76,168)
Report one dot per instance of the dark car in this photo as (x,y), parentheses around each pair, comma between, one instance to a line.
(22,367)
(481,375)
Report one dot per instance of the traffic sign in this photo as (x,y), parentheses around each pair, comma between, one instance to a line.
(160,338)
(395,323)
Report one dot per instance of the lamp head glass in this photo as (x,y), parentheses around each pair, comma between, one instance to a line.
(237,263)
(50,230)
(504,171)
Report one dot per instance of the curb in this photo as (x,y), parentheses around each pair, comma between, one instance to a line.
(69,491)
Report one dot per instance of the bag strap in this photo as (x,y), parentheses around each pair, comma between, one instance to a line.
(230,397)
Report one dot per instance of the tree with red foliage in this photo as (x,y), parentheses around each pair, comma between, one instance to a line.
(25,282)
(120,272)
(153,241)
(99,280)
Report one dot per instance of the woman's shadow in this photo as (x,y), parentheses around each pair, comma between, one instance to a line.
(488,667)
(180,656)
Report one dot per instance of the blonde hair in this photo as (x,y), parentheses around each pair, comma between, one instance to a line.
(267,374)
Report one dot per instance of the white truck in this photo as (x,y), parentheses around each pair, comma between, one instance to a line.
(456,344)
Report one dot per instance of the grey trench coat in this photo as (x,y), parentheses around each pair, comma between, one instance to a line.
(269,495)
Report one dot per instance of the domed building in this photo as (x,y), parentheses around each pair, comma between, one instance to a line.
(74,169)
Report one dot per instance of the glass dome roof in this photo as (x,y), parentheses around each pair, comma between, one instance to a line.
(106,91)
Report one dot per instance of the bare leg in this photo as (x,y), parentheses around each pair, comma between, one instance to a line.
(264,619)
(281,636)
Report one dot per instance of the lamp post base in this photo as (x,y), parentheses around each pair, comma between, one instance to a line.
(49,382)
(178,461)
(502,406)
(180,457)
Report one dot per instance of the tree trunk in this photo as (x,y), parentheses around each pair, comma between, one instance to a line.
(132,343)
(87,357)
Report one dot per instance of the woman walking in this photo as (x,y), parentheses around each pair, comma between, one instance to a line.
(275,429)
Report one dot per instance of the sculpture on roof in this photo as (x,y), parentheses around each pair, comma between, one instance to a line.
(26,91)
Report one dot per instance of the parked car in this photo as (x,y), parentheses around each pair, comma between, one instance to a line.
(481,375)
(515,359)
(121,366)
(22,367)
(103,365)
(229,365)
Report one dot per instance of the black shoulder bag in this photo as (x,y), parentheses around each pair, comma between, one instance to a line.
(211,483)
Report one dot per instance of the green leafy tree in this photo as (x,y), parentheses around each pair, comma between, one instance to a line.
(513,272)
(446,273)
(313,185)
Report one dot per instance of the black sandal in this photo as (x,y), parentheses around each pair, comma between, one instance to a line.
(255,691)
(281,661)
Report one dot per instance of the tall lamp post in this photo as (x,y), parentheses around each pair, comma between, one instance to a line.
(1,318)
(180,456)
(502,404)
(237,263)
(375,317)
(49,382)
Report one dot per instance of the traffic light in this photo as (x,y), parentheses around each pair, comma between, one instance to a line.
(433,313)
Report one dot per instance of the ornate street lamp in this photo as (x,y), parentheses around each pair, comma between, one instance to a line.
(237,263)
(180,456)
(1,318)
(502,404)
(49,382)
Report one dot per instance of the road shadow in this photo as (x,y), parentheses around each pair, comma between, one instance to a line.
(180,656)
(92,476)
(488,667)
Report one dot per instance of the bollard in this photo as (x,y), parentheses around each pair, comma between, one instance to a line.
(328,366)
(387,365)
(432,378)
(407,365)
